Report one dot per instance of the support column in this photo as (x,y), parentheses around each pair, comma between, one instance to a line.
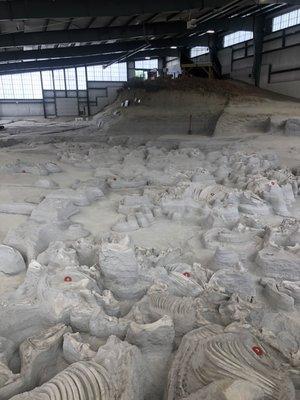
(43,93)
(87,93)
(258,39)
(214,45)
(185,57)
(130,70)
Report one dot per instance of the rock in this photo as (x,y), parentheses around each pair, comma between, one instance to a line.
(275,124)
(277,298)
(156,344)
(225,258)
(120,268)
(35,199)
(79,197)
(11,261)
(234,282)
(279,264)
(54,210)
(46,183)
(32,238)
(74,349)
(292,127)
(17,208)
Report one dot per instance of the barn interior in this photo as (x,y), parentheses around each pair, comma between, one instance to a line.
(149,200)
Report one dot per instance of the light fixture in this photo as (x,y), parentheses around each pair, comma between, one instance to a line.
(173,47)
(210,31)
(147,58)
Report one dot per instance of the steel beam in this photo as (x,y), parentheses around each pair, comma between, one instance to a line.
(31,66)
(24,9)
(215,44)
(226,24)
(258,36)
(119,32)
(289,2)
(92,34)
(113,48)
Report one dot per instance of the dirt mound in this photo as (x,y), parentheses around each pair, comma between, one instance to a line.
(227,88)
(177,106)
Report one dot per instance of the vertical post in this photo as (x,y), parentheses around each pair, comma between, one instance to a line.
(77,91)
(164,65)
(231,59)
(269,73)
(214,45)
(185,56)
(190,125)
(283,38)
(42,85)
(65,80)
(87,93)
(258,39)
(130,70)
(54,93)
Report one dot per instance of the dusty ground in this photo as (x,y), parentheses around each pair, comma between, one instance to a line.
(233,113)
(220,115)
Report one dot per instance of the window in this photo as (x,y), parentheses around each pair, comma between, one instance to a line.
(140,73)
(47,80)
(146,64)
(199,51)
(21,86)
(285,20)
(115,72)
(59,79)
(81,78)
(7,85)
(173,63)
(71,79)
(237,37)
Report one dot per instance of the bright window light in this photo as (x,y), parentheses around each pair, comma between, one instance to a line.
(114,73)
(21,86)
(146,64)
(237,37)
(59,79)
(70,79)
(81,78)
(199,51)
(140,73)
(285,20)
(47,80)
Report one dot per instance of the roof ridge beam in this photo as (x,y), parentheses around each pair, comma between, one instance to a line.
(24,9)
(92,34)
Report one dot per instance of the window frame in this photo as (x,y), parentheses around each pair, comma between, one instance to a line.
(23,86)
(198,51)
(146,64)
(286,20)
(116,72)
(236,38)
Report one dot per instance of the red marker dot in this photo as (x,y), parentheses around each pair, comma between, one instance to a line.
(258,350)
(67,279)
(186,274)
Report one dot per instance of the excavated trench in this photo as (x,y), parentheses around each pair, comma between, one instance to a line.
(151,264)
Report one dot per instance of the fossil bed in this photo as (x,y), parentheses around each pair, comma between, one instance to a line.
(138,262)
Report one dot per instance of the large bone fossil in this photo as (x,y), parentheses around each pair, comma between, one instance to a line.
(114,373)
(211,354)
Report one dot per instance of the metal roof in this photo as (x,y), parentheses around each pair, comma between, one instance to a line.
(48,29)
